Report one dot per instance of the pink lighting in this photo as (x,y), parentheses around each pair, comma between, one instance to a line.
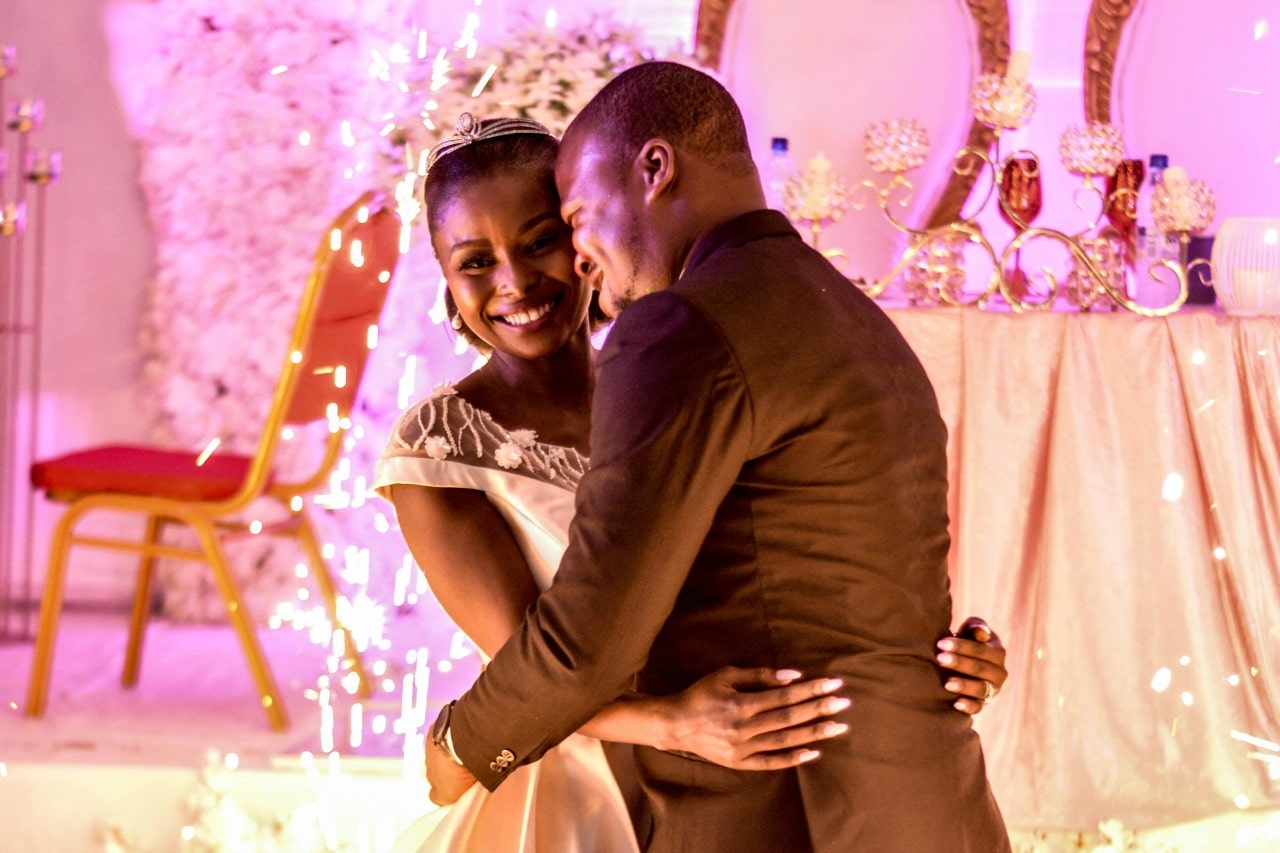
(145,256)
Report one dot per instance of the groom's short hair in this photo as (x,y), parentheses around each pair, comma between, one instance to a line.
(667,100)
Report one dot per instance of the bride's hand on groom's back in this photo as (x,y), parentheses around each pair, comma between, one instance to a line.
(753,719)
(974,658)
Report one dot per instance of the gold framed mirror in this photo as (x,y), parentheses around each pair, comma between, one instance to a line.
(1101,42)
(990,19)
(1194,81)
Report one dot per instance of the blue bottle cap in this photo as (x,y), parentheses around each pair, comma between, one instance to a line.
(779,145)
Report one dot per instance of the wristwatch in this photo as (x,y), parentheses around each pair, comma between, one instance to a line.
(442,737)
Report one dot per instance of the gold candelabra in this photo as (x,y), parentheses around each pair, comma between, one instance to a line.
(932,269)
(25,175)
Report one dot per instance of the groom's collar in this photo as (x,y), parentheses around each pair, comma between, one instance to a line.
(736,232)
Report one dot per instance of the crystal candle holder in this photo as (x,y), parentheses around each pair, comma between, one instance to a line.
(1094,149)
(1003,102)
(1187,207)
(937,273)
(815,195)
(1107,256)
(896,146)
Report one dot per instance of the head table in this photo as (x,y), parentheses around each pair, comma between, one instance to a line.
(1115,505)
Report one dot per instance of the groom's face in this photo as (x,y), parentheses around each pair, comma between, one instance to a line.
(599,200)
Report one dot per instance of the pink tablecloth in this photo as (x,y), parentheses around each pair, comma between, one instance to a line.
(1116,510)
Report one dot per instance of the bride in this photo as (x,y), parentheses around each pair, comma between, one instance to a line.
(482,477)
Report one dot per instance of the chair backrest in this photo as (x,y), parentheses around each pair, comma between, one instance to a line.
(333,335)
(352,273)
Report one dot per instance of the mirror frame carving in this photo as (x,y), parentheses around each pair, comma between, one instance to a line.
(992,20)
(1107,19)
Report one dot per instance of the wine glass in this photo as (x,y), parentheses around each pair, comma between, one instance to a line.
(1020,202)
(1122,202)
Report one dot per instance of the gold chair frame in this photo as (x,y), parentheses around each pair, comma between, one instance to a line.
(212,521)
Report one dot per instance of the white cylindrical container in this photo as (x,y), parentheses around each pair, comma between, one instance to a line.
(1246,265)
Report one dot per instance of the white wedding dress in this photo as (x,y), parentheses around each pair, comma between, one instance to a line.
(567,802)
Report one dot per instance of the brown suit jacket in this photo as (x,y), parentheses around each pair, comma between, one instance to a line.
(767,488)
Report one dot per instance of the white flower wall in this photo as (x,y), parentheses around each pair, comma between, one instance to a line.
(257,122)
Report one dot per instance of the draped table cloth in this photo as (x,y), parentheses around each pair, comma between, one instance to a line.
(1115,505)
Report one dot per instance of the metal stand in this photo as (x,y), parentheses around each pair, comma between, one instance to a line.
(22,268)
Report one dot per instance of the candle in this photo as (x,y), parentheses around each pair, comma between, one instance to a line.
(13,218)
(1175,177)
(27,115)
(1019,66)
(8,60)
(44,165)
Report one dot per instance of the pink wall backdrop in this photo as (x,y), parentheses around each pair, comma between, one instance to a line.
(1200,81)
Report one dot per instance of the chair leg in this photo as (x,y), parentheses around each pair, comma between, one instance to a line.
(50,610)
(141,604)
(329,591)
(243,625)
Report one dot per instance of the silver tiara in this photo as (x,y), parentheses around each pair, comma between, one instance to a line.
(470,129)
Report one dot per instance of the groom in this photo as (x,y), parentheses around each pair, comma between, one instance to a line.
(767,486)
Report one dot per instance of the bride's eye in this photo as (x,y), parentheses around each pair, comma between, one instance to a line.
(473,263)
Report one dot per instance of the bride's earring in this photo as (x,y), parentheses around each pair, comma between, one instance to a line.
(456,322)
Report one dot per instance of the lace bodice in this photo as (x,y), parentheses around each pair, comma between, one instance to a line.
(444,426)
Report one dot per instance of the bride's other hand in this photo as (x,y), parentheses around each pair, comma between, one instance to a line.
(975,657)
(753,719)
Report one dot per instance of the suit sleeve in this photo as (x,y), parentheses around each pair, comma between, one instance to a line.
(671,424)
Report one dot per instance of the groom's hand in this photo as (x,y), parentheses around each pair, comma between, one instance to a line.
(448,779)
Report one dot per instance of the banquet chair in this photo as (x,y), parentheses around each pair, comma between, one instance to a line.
(209,493)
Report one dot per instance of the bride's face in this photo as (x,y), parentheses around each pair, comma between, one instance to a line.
(508,260)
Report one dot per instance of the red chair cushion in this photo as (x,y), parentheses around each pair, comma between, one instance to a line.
(143,471)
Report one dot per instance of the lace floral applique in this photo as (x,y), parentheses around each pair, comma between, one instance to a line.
(511,453)
(437,446)
(525,438)
(508,455)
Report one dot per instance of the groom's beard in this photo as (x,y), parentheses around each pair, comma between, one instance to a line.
(633,286)
(621,301)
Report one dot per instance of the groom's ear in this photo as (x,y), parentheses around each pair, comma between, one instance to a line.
(656,164)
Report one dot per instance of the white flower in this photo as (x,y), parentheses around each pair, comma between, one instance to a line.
(523,437)
(508,455)
(1117,839)
(443,389)
(437,446)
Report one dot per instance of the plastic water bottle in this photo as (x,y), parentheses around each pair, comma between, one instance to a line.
(1144,242)
(777,171)
(1151,245)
